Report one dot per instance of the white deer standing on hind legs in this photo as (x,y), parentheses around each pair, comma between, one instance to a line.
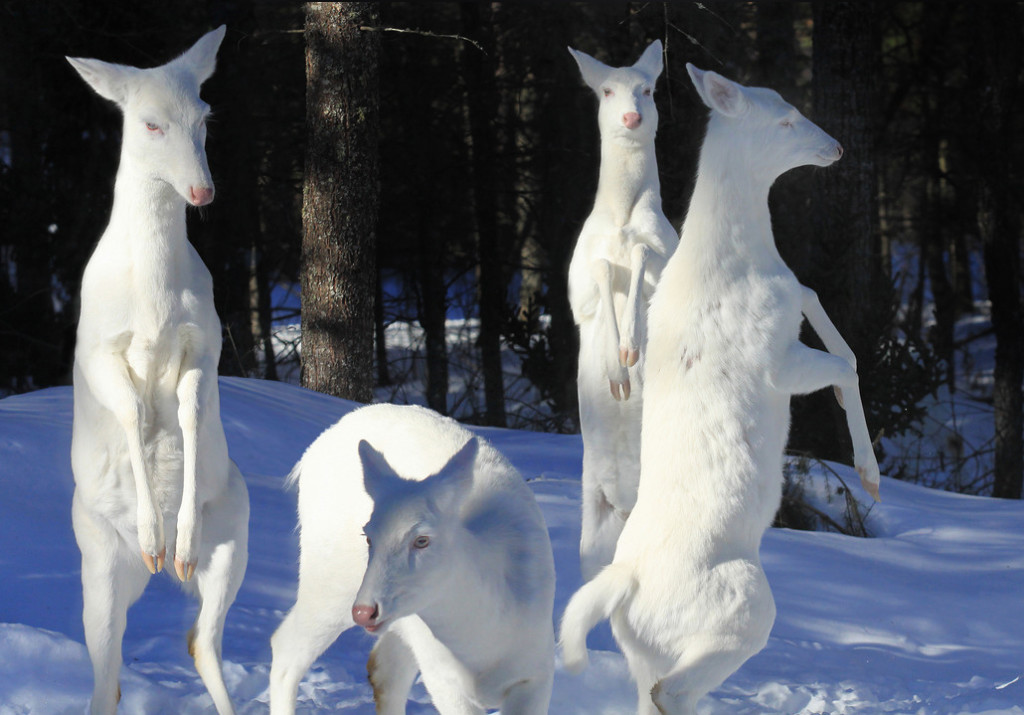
(148,451)
(686,595)
(619,256)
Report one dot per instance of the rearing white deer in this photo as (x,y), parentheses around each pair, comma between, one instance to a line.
(686,594)
(148,451)
(618,259)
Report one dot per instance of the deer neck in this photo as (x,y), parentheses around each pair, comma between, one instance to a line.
(628,177)
(148,217)
(729,212)
(468,583)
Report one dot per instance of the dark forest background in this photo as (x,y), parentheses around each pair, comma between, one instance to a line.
(488,152)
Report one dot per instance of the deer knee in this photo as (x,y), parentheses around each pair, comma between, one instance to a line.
(639,254)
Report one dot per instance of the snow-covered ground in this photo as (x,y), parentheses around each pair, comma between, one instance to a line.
(926,618)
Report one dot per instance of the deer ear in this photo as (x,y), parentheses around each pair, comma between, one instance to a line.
(110,81)
(450,486)
(650,62)
(201,58)
(593,71)
(717,92)
(379,479)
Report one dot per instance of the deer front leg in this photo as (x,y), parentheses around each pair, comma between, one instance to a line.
(109,381)
(191,392)
(826,330)
(807,370)
(608,329)
(849,398)
(632,321)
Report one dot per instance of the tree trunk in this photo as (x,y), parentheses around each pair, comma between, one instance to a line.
(847,272)
(433,307)
(847,51)
(776,67)
(380,329)
(340,199)
(998,36)
(262,313)
(482,104)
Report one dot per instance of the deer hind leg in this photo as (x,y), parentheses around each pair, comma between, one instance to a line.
(632,337)
(112,579)
(643,665)
(705,665)
(601,526)
(218,576)
(391,669)
(807,370)
(608,329)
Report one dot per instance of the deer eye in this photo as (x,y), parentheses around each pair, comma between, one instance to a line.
(647,91)
(421,542)
(152,127)
(608,92)
(368,540)
(786,123)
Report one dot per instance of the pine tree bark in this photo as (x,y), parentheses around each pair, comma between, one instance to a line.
(340,197)
(846,259)
(847,54)
(999,39)
(482,105)
(433,306)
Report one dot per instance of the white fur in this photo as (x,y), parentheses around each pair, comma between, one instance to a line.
(471,610)
(148,451)
(686,594)
(619,256)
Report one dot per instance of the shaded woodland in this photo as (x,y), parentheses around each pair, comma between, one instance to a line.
(487,156)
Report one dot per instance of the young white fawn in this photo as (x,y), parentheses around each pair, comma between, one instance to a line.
(619,256)
(152,473)
(686,594)
(426,536)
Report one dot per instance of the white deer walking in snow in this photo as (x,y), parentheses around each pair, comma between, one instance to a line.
(686,595)
(619,256)
(459,581)
(148,451)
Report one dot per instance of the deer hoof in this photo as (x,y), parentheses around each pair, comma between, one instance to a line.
(628,356)
(620,390)
(839,397)
(184,571)
(154,564)
(869,486)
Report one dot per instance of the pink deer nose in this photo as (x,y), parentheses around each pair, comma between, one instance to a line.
(365,615)
(631,120)
(201,196)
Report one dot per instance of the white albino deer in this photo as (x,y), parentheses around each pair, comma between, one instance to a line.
(150,460)
(619,256)
(686,594)
(459,582)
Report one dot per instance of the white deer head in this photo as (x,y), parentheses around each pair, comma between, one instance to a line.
(626,94)
(412,535)
(770,134)
(164,119)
